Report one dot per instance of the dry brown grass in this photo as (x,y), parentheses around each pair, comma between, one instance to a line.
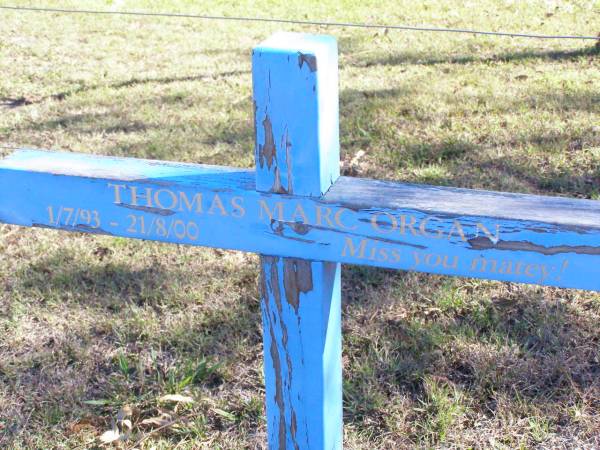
(89,324)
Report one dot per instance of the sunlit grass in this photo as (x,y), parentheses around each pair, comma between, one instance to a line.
(90,324)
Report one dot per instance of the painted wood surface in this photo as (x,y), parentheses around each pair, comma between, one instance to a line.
(510,237)
(295,82)
(297,152)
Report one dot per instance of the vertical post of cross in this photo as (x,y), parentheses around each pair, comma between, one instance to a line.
(295,79)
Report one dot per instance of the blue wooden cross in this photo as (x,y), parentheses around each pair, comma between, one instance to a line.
(304,220)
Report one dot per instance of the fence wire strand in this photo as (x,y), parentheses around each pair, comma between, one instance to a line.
(18,147)
(301,22)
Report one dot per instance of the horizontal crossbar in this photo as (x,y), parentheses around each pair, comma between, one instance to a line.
(512,237)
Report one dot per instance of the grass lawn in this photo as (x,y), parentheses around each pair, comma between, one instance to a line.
(95,329)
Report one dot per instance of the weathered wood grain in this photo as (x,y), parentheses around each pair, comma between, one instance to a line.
(510,237)
(298,156)
(297,152)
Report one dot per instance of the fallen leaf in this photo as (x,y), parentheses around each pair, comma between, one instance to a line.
(176,398)
(357,157)
(97,402)
(157,421)
(110,436)
(77,427)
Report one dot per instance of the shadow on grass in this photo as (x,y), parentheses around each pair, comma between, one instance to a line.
(63,277)
(414,58)
(518,351)
(91,124)
(362,127)
(143,329)
(11,103)
(360,111)
(464,160)
(181,142)
(569,182)
(518,345)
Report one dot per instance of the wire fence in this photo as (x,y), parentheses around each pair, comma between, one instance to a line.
(302,22)
(20,147)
